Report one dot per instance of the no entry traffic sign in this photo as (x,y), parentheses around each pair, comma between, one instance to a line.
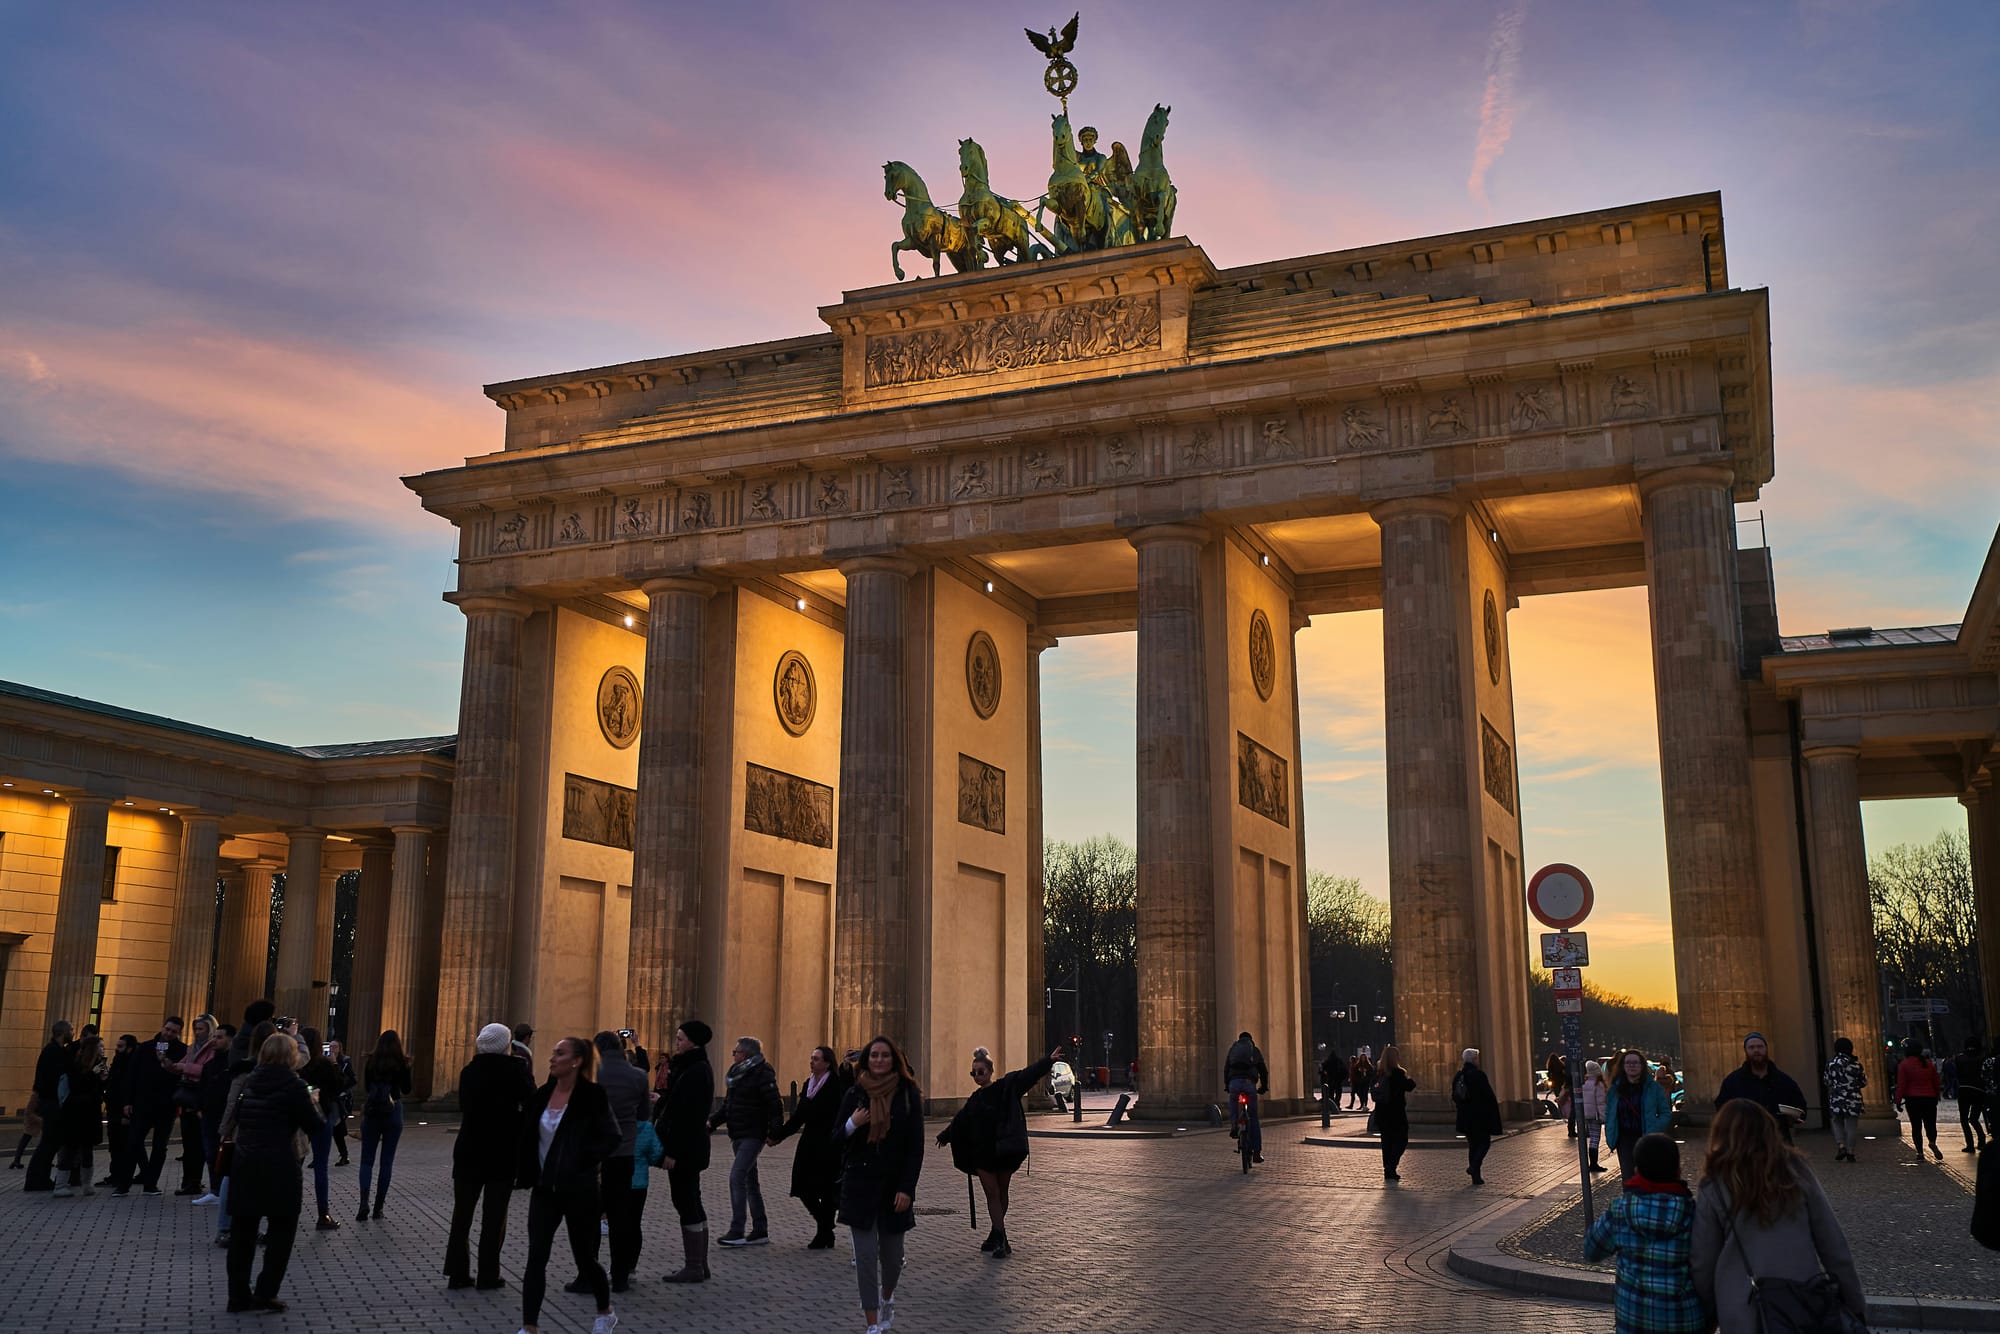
(1560,896)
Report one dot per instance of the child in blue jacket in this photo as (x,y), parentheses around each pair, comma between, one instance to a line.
(1650,1228)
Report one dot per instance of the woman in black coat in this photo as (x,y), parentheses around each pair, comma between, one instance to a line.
(1477,1113)
(273,1107)
(570,1131)
(494,1094)
(681,1118)
(816,1164)
(1392,1110)
(881,1133)
(989,1136)
(80,1123)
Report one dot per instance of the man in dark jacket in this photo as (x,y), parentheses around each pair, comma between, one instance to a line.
(1477,1112)
(49,1068)
(494,1091)
(1971,1094)
(754,1112)
(1244,1073)
(631,1103)
(1762,1082)
(149,1106)
(682,1121)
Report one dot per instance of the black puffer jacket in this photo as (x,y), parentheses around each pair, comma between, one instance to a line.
(494,1094)
(264,1173)
(991,1132)
(681,1118)
(752,1108)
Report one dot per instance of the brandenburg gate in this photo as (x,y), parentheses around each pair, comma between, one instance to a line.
(751,724)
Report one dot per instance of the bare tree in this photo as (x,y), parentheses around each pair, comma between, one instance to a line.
(1927,929)
(1090,939)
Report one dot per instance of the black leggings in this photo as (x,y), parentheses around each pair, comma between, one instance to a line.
(684,1188)
(577,1210)
(1923,1118)
(1395,1139)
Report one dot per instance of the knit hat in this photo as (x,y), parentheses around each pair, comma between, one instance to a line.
(1843,1046)
(1657,1158)
(697,1032)
(493,1040)
(1754,1036)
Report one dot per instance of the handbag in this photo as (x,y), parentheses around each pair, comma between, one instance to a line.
(225,1158)
(1797,1305)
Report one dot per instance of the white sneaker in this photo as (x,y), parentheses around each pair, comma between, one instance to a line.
(61,1193)
(885,1316)
(206,1197)
(605,1323)
(874,1329)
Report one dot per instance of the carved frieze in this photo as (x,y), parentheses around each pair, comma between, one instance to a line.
(1362,427)
(1200,448)
(971,480)
(832,497)
(1535,408)
(1119,456)
(982,795)
(762,504)
(1261,781)
(618,707)
(635,519)
(1278,442)
(982,674)
(1449,419)
(1496,765)
(1081,331)
(786,806)
(1626,397)
(795,693)
(511,533)
(572,529)
(896,488)
(1263,654)
(596,812)
(697,510)
(1044,472)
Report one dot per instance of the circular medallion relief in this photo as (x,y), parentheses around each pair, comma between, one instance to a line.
(618,707)
(982,674)
(1263,654)
(795,693)
(1491,619)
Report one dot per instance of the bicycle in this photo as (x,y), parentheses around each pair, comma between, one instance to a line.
(1240,1128)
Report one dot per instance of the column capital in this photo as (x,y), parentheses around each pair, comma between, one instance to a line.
(1830,750)
(1694,474)
(1300,620)
(1038,640)
(1154,534)
(85,800)
(189,821)
(660,585)
(490,604)
(1980,783)
(886,563)
(1417,507)
(305,832)
(401,829)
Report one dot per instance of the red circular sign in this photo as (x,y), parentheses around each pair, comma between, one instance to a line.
(1560,896)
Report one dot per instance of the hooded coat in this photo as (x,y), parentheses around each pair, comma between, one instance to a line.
(1651,1231)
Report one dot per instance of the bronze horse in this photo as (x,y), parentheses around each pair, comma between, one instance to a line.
(1003,224)
(1087,216)
(928,229)
(1152,190)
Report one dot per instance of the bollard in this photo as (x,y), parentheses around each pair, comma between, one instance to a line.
(1214,1115)
(1325,1111)
(1118,1112)
(1076,1105)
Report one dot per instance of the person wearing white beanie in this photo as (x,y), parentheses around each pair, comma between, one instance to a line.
(494,1090)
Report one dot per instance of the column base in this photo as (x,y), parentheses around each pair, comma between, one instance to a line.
(1182,1111)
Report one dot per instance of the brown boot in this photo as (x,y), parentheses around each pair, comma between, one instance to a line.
(694,1245)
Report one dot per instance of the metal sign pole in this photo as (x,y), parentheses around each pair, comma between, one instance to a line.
(1573,1053)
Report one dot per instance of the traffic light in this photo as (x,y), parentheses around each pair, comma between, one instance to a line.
(1076,1043)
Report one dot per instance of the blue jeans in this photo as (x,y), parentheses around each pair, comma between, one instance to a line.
(1255,1130)
(383,1130)
(322,1150)
(744,1188)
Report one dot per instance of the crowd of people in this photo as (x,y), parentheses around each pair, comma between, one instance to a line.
(254,1104)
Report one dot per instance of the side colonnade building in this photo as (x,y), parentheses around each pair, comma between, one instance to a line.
(751,724)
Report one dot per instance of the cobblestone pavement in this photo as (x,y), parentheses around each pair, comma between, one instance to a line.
(1905,1218)
(1140,1235)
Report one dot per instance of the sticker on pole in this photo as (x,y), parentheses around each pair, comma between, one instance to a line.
(1569,1005)
(1565,949)
(1567,979)
(1560,896)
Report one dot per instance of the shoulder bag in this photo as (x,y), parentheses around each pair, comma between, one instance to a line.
(1796,1305)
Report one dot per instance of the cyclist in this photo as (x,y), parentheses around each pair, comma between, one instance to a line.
(1244,1071)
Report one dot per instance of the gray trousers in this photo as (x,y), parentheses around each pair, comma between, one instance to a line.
(744,1189)
(1843,1131)
(868,1243)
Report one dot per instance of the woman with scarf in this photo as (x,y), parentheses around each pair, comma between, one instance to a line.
(881,1134)
(753,1111)
(570,1131)
(1633,1106)
(816,1164)
(681,1118)
(989,1136)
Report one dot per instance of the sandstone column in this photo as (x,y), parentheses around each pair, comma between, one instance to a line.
(245,955)
(1982,818)
(1038,886)
(403,949)
(1433,869)
(298,932)
(329,891)
(80,893)
(871,949)
(192,944)
(1712,881)
(371,946)
(1178,1060)
(479,885)
(1301,883)
(663,961)
(1851,993)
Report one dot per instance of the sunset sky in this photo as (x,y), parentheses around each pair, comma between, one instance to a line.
(256,261)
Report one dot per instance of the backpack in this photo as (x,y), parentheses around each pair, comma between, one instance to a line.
(1458,1087)
(381,1100)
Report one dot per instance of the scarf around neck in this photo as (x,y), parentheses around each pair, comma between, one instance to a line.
(742,1068)
(816,1083)
(881,1092)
